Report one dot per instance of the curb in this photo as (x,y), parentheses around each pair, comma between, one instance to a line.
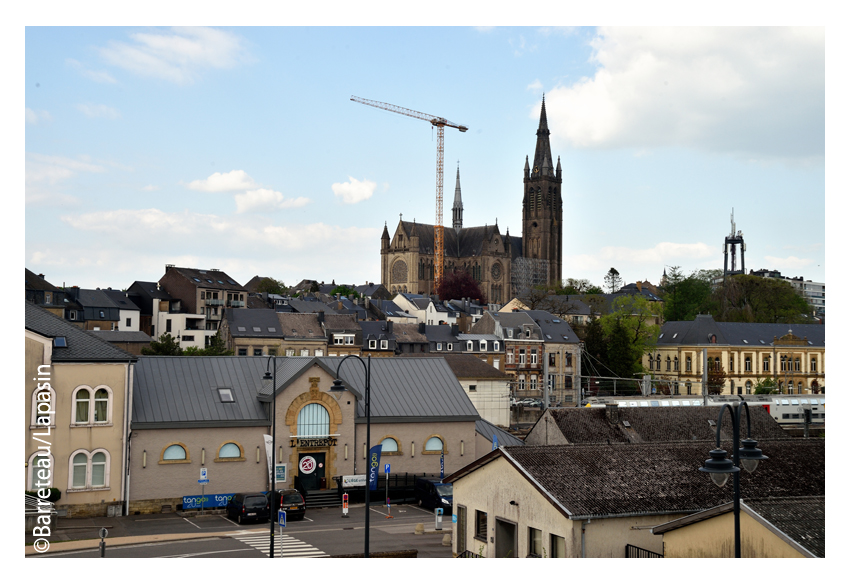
(94,544)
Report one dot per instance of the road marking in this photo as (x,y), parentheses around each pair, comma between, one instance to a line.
(204,553)
(191,522)
(285,546)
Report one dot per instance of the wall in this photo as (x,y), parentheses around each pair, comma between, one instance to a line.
(491,399)
(65,439)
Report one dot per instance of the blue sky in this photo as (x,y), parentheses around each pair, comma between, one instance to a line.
(239,148)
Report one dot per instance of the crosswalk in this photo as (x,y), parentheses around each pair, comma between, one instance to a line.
(285,546)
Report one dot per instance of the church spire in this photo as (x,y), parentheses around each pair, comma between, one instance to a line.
(542,152)
(457,208)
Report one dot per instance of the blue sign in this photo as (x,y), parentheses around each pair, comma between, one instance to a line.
(210,501)
(495,442)
(374,465)
(387,468)
(204,481)
(281,517)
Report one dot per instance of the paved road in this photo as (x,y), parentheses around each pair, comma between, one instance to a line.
(322,533)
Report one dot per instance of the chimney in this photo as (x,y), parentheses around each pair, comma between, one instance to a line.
(638,284)
(612,413)
(367,303)
(390,327)
(41,276)
(321,316)
(454,330)
(421,328)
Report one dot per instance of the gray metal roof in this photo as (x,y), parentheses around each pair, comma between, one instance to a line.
(753,334)
(505,438)
(554,329)
(81,345)
(182,392)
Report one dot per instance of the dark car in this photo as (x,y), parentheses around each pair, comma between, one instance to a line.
(291,501)
(248,507)
(432,493)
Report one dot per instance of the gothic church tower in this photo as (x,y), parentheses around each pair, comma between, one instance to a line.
(542,209)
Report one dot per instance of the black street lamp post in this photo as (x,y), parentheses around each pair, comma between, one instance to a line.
(339,387)
(273,378)
(719,467)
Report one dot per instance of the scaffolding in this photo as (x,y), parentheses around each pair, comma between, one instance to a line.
(526,273)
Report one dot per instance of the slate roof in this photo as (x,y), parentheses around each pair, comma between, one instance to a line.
(123,336)
(300,326)
(802,519)
(83,346)
(408,333)
(94,299)
(182,392)
(591,425)
(309,306)
(601,480)
(341,323)
(390,309)
(214,279)
(486,429)
(554,329)
(698,331)
(244,322)
(440,333)
(36,282)
(464,365)
(120,299)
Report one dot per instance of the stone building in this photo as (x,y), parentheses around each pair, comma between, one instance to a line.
(500,263)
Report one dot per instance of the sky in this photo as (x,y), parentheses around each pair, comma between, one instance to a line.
(239,148)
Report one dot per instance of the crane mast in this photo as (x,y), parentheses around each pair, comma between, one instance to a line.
(441,124)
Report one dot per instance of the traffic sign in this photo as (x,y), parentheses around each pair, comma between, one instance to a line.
(387,468)
(203,474)
(281,517)
(204,481)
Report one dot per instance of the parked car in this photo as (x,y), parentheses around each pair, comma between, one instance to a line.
(432,493)
(291,501)
(248,507)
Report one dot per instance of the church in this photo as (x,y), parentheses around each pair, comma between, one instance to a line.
(502,264)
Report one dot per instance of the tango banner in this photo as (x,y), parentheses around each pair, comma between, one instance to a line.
(374,464)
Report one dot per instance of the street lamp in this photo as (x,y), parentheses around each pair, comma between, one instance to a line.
(719,467)
(273,378)
(338,387)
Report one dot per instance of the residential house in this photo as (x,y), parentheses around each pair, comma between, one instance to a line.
(414,304)
(388,310)
(186,406)
(599,500)
(774,527)
(792,355)
(204,292)
(303,334)
(344,335)
(160,313)
(561,357)
(524,348)
(253,332)
(378,339)
(41,292)
(373,291)
(77,418)
(129,315)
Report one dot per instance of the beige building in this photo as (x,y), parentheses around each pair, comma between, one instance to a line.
(792,355)
(218,410)
(781,527)
(77,390)
(602,500)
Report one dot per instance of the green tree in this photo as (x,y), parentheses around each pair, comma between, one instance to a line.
(763,386)
(579,286)
(716,380)
(217,347)
(636,317)
(746,298)
(343,290)
(613,280)
(166,345)
(686,297)
(271,286)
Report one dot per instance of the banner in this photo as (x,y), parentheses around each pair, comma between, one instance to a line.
(495,442)
(374,464)
(269,455)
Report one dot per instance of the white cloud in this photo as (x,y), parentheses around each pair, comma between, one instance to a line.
(178,56)
(98,76)
(34,117)
(535,86)
(150,188)
(789,263)
(266,200)
(235,180)
(354,191)
(51,169)
(93,110)
(757,92)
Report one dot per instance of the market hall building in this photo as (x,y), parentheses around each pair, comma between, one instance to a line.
(213,412)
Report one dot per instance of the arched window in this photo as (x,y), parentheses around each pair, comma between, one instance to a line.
(47,400)
(174,452)
(79,466)
(81,406)
(434,444)
(313,421)
(39,461)
(749,387)
(101,405)
(668,363)
(89,470)
(91,406)
(388,446)
(230,450)
(658,362)
(98,469)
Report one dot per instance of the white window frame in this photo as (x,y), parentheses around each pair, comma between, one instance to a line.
(439,346)
(373,344)
(482,345)
(34,412)
(385,344)
(496,345)
(470,346)
(305,352)
(89,456)
(290,352)
(339,340)
(533,356)
(448,346)
(320,352)
(34,469)
(92,392)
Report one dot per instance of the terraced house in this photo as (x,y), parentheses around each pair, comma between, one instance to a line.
(792,355)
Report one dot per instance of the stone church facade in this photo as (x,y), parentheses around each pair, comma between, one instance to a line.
(502,264)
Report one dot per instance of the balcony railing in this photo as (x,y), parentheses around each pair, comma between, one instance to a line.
(214,302)
(236,303)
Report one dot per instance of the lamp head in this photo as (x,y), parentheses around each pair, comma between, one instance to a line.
(267,376)
(719,467)
(337,386)
(750,455)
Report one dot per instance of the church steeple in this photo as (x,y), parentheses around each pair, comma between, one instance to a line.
(542,152)
(457,208)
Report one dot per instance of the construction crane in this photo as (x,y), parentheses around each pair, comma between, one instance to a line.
(440,124)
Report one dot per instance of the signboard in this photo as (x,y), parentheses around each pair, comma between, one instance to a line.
(269,454)
(280,473)
(311,442)
(495,442)
(209,501)
(374,464)
(204,481)
(307,465)
(281,517)
(203,474)
(352,481)
(387,468)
